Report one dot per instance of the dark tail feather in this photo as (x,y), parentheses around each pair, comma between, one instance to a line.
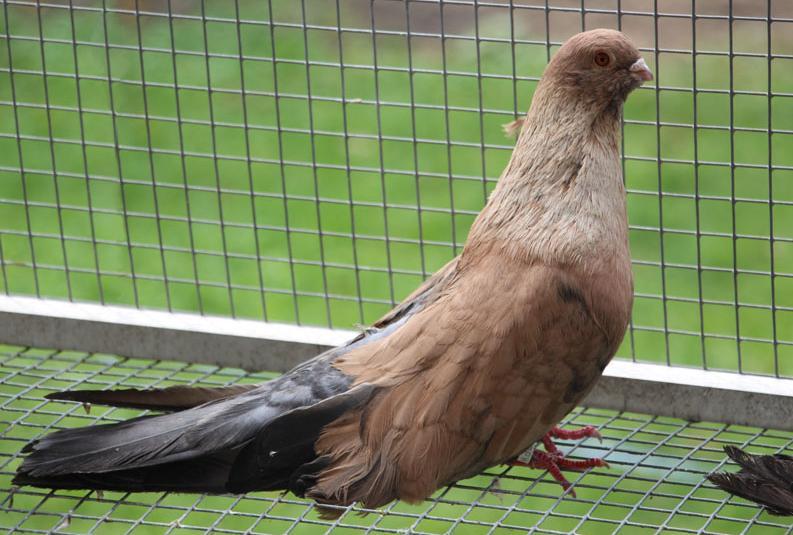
(764,479)
(230,445)
(172,398)
(777,468)
(206,474)
(150,440)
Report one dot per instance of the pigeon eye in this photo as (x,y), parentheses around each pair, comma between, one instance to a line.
(602,59)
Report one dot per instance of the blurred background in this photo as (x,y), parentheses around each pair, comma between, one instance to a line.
(312,162)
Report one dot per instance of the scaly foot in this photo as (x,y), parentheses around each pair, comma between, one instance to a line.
(553,460)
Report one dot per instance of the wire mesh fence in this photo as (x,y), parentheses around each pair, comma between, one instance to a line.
(655,482)
(313,161)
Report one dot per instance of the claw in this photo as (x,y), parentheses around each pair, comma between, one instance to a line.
(547,461)
(553,460)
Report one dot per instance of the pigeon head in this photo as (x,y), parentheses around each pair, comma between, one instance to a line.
(599,65)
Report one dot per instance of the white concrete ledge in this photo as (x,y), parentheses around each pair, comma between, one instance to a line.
(695,395)
(130,332)
(687,393)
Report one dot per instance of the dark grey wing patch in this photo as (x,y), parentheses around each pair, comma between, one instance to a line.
(285,444)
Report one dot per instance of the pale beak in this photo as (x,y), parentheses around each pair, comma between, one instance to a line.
(641,71)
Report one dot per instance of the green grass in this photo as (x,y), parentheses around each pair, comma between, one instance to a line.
(230,177)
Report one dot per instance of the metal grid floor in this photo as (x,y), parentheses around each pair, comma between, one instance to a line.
(654,483)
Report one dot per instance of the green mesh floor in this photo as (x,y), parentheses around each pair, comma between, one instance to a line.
(654,484)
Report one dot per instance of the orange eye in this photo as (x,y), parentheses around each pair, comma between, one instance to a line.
(602,59)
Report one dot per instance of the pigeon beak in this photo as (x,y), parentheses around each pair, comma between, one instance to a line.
(641,71)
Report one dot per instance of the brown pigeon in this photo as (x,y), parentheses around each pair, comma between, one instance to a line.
(472,369)
(764,479)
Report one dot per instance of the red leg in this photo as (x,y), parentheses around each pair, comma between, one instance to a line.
(581,464)
(546,461)
(588,431)
(550,447)
(553,460)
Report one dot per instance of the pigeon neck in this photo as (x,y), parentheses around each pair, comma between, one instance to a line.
(561,115)
(561,197)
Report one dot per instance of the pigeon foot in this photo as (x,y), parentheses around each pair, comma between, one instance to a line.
(553,460)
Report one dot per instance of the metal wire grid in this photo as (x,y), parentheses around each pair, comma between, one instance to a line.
(313,162)
(654,484)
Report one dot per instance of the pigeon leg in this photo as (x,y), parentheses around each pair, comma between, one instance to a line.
(546,461)
(559,457)
(588,431)
(553,460)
